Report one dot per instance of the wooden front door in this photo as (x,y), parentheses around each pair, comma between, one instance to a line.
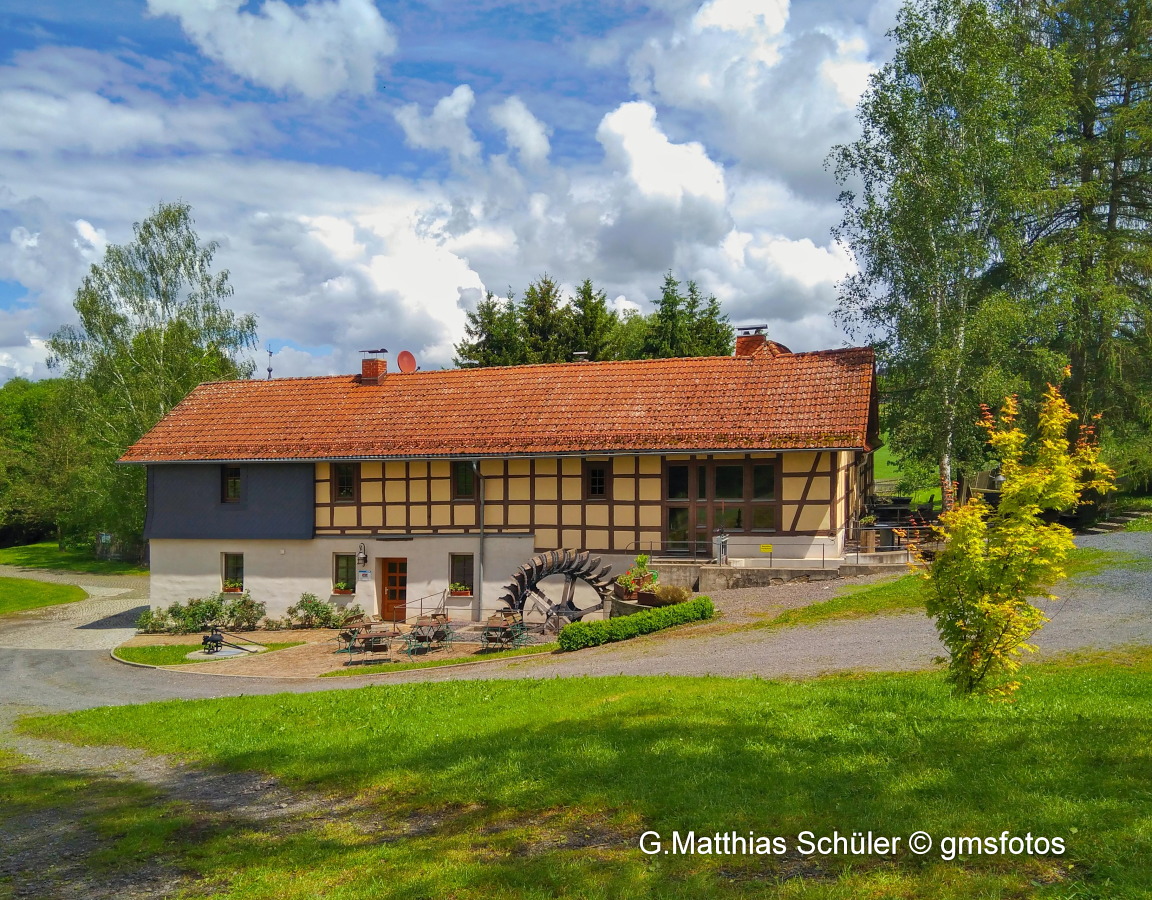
(394,589)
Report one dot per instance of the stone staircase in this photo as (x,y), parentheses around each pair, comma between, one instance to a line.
(1116,522)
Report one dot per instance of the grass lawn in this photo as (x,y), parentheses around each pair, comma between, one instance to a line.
(49,556)
(542,788)
(433,663)
(18,594)
(905,592)
(173,654)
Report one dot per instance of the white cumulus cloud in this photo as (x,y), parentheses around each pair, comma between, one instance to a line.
(527,134)
(319,49)
(445,128)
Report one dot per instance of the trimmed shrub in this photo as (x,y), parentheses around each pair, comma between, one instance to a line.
(673,593)
(578,635)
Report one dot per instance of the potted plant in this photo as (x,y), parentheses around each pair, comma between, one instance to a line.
(456,589)
(638,584)
(867,534)
(233,587)
(343,587)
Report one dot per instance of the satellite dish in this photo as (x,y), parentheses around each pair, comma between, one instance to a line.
(406,361)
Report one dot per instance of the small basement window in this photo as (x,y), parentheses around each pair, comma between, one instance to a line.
(233,566)
(344,571)
(461,568)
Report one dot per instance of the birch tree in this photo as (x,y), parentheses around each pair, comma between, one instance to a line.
(152,325)
(956,145)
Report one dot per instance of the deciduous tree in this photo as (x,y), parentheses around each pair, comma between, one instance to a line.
(152,326)
(953,164)
(994,560)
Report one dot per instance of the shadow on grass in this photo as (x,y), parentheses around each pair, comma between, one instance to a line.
(890,754)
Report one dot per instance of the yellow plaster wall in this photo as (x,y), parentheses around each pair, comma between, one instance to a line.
(371,492)
(546,539)
(546,466)
(597,540)
(624,489)
(372,516)
(418,491)
(546,488)
(440,468)
(518,515)
(815,518)
(370,470)
(344,516)
(396,470)
(571,466)
(571,539)
(649,488)
(396,517)
(596,514)
(493,515)
(799,462)
(395,491)
(323,518)
(545,515)
(492,467)
(649,465)
(518,489)
(571,515)
(624,516)
(322,471)
(650,516)
(573,488)
(441,491)
(323,492)
(623,465)
(463,515)
(518,467)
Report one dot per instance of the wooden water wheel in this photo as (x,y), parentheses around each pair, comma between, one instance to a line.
(524,593)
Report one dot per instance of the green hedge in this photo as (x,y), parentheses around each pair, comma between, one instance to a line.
(591,634)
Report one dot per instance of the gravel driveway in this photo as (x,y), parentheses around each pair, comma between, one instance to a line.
(66,669)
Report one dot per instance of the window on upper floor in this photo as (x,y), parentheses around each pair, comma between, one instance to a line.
(463,481)
(596,480)
(229,484)
(345,482)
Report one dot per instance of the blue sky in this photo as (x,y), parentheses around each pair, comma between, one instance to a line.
(370,169)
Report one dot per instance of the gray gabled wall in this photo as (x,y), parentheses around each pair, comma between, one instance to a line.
(276,502)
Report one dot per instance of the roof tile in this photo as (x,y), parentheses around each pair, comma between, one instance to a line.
(789,401)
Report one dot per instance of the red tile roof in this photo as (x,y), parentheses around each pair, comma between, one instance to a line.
(763,402)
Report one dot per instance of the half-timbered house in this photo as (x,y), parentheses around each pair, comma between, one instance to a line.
(403,483)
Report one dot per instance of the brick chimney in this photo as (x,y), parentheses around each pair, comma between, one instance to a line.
(373,370)
(748,344)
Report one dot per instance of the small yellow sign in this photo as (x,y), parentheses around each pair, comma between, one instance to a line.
(765,548)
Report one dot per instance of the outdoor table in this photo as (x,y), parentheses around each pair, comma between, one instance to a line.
(504,633)
(368,638)
(428,631)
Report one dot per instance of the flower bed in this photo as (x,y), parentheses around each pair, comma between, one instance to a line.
(591,634)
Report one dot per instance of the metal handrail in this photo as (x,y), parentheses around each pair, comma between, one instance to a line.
(665,548)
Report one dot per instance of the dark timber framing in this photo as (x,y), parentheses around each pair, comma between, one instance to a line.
(547,496)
